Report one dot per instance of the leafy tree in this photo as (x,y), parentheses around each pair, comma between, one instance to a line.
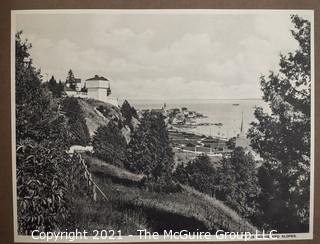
(78,129)
(238,183)
(283,137)
(47,180)
(198,173)
(265,218)
(41,191)
(149,150)
(110,145)
(231,143)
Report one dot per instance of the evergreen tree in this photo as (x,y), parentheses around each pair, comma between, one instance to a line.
(110,145)
(52,85)
(71,79)
(35,115)
(283,137)
(128,112)
(149,149)
(79,133)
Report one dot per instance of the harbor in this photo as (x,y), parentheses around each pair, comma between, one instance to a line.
(211,128)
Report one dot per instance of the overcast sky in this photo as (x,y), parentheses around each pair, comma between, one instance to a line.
(162,56)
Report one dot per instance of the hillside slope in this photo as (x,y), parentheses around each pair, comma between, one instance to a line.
(188,209)
(94,118)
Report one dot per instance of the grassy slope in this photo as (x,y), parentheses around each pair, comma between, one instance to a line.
(98,166)
(189,203)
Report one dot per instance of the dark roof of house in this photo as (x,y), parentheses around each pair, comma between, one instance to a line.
(97,77)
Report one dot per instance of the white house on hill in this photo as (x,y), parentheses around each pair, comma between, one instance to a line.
(97,87)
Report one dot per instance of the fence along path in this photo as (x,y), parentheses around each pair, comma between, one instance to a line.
(91,182)
(88,177)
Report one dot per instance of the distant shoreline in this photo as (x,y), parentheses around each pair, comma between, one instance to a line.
(188,99)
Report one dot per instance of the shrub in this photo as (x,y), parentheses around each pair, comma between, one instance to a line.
(199,173)
(47,178)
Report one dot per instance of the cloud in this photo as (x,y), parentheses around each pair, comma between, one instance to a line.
(121,39)
(168,88)
(187,56)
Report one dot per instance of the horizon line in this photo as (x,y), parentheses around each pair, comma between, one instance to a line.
(166,99)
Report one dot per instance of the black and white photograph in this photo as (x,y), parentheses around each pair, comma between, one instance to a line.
(162,125)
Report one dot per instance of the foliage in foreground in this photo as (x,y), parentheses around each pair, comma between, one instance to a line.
(46,176)
(47,179)
(283,138)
